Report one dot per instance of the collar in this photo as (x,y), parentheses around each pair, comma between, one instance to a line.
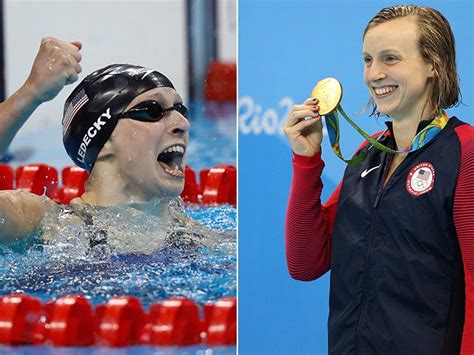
(421,125)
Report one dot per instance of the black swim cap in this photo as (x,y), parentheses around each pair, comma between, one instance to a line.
(89,111)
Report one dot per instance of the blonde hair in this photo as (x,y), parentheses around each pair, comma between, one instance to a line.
(436,45)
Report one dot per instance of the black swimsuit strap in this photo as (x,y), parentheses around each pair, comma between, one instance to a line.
(99,237)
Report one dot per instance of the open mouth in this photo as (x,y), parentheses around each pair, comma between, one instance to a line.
(171,160)
(384,91)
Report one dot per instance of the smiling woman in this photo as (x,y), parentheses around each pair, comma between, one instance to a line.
(395,70)
(397,231)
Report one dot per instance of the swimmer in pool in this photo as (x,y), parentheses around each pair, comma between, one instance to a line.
(128,127)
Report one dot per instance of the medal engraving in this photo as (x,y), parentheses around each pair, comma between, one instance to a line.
(329,93)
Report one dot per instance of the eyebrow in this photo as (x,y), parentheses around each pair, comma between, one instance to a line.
(385,51)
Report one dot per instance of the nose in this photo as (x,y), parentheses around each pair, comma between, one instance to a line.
(177,124)
(375,72)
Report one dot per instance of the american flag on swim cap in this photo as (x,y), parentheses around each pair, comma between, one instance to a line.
(77,102)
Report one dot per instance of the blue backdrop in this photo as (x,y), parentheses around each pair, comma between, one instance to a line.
(285,47)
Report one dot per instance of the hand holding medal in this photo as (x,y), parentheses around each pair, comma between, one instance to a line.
(304,128)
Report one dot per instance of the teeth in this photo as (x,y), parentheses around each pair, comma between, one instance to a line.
(384,90)
(175,172)
(174,148)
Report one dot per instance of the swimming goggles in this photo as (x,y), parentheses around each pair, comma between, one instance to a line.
(152,111)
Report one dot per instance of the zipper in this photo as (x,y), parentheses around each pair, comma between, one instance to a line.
(377,198)
(364,300)
(380,191)
(381,188)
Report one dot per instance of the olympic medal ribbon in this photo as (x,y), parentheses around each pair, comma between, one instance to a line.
(329,93)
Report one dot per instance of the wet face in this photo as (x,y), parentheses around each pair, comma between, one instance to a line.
(150,155)
(394,71)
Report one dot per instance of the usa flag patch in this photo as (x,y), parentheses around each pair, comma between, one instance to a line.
(77,102)
(420,179)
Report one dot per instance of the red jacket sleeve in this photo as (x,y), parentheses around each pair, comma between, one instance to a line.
(309,224)
(464,223)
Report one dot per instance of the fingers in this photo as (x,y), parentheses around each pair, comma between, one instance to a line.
(303,128)
(51,46)
(308,110)
(73,77)
(73,49)
(300,126)
(308,103)
(66,64)
(311,101)
(74,52)
(77,44)
(301,115)
(73,71)
(55,65)
(77,68)
(295,130)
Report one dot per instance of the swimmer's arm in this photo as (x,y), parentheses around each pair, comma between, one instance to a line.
(20,214)
(14,112)
(56,65)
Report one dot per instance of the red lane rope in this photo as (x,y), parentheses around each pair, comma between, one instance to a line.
(72,321)
(218,185)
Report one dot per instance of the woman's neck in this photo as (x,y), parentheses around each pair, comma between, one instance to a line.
(404,131)
(106,188)
(405,127)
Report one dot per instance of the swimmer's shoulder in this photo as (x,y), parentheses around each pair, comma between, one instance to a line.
(75,210)
(21,213)
(77,201)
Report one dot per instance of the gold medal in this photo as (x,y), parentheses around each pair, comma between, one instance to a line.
(329,93)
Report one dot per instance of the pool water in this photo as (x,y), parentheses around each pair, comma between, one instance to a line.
(140,258)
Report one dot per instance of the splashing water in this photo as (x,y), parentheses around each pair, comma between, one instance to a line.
(125,250)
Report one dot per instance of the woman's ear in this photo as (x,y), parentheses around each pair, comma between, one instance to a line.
(432,70)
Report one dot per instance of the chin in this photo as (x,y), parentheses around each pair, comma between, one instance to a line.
(171,191)
(385,110)
(387,107)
